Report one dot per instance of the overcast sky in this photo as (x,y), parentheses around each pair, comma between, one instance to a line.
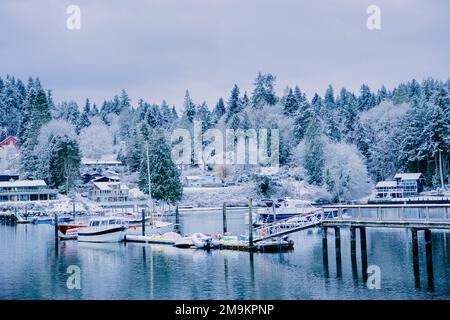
(158,49)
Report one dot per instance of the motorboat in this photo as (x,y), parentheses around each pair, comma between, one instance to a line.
(184,242)
(49,220)
(69,231)
(283,209)
(156,228)
(202,241)
(106,229)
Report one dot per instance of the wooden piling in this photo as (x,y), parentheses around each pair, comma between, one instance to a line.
(250,224)
(363,243)
(415,252)
(429,254)
(337,244)
(143,222)
(177,219)
(325,250)
(224,218)
(56,227)
(353,252)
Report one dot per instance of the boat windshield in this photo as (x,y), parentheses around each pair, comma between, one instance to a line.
(95,223)
(113,221)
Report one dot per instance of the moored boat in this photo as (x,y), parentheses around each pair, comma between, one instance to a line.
(108,229)
(283,209)
(69,231)
(202,241)
(156,228)
(184,242)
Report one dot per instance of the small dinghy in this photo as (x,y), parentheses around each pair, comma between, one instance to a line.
(184,242)
(202,241)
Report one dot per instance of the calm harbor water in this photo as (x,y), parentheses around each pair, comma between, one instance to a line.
(32,268)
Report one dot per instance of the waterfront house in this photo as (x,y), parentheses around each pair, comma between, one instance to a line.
(8,141)
(411,183)
(99,164)
(202,181)
(404,185)
(110,191)
(26,190)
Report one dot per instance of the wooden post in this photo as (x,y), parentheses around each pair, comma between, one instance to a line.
(143,222)
(224,218)
(73,210)
(363,243)
(429,254)
(56,227)
(325,250)
(353,252)
(177,219)
(337,244)
(415,252)
(250,225)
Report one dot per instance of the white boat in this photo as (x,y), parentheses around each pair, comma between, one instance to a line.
(184,242)
(108,229)
(282,209)
(202,241)
(158,227)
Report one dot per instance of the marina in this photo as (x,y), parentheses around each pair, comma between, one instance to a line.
(158,271)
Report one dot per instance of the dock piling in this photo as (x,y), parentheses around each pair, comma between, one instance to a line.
(143,222)
(353,252)
(325,250)
(337,242)
(429,254)
(56,227)
(363,243)
(224,218)
(250,224)
(415,252)
(177,219)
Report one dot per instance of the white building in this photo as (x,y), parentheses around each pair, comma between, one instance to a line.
(202,181)
(111,191)
(26,190)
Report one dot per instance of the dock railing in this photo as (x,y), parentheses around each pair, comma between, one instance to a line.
(393,212)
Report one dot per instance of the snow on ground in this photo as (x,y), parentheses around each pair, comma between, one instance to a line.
(215,197)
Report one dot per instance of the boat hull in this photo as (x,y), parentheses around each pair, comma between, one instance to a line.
(150,230)
(115,234)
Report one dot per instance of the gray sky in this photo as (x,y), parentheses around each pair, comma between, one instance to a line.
(158,49)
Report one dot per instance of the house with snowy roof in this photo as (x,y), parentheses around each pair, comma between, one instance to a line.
(404,185)
(8,141)
(109,191)
(26,190)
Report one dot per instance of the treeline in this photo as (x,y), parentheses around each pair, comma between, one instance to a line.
(403,129)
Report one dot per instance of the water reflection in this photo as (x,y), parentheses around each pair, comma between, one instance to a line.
(141,271)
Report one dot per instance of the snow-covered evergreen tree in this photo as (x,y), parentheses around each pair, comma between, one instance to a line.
(189,108)
(219,110)
(233,105)
(164,175)
(314,156)
(264,91)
